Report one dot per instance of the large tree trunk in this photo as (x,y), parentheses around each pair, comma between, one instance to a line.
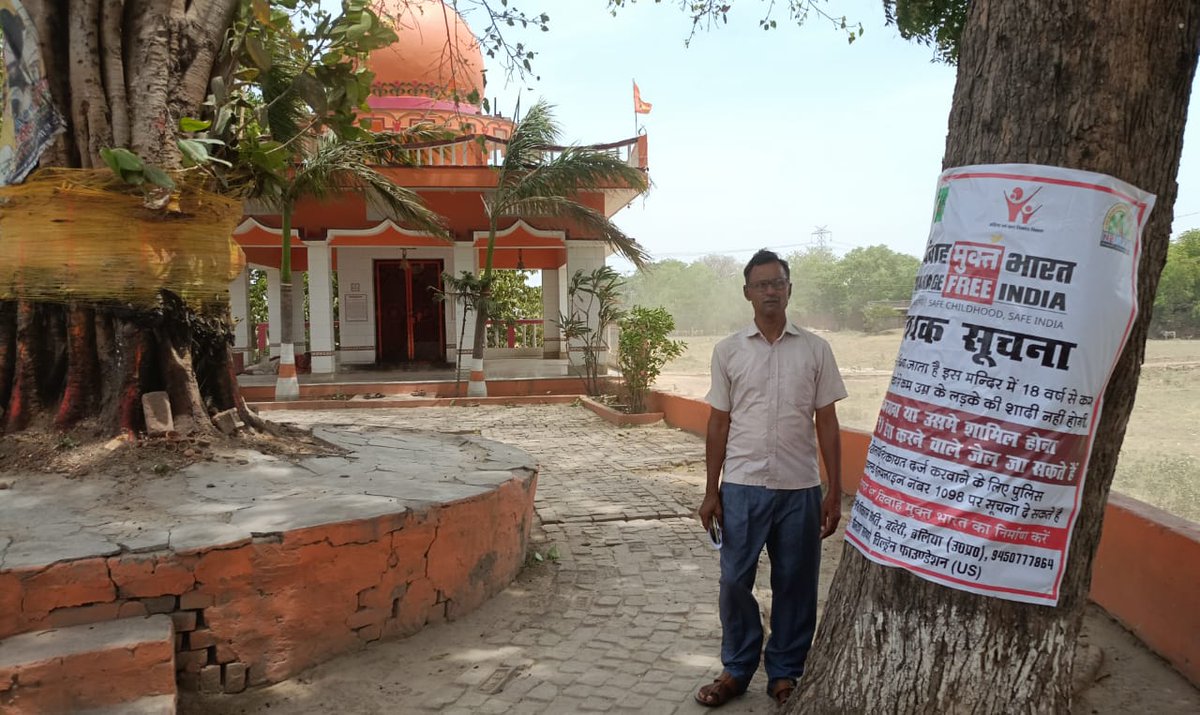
(121,72)
(1099,85)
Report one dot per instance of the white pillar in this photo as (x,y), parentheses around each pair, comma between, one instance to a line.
(298,332)
(584,256)
(320,307)
(239,313)
(274,302)
(551,307)
(463,260)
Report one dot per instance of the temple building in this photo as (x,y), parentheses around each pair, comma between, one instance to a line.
(387,315)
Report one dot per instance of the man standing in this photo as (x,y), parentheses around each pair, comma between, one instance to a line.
(773,391)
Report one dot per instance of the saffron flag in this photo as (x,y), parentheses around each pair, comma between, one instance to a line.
(639,106)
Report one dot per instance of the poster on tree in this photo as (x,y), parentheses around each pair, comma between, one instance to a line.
(29,121)
(1022,304)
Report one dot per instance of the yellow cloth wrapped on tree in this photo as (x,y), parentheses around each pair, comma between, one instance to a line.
(82,235)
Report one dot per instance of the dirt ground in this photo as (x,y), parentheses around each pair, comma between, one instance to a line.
(85,453)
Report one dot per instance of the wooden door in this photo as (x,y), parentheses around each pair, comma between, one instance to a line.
(408,321)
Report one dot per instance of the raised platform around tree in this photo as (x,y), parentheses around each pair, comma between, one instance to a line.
(268,566)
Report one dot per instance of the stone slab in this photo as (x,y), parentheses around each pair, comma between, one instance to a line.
(106,664)
(50,519)
(76,640)
(152,705)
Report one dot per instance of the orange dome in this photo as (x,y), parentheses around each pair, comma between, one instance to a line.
(436,57)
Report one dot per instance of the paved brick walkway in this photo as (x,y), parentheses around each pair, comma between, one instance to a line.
(624,620)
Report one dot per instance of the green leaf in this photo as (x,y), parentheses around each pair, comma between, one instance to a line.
(189,124)
(258,54)
(194,152)
(121,160)
(111,159)
(158,177)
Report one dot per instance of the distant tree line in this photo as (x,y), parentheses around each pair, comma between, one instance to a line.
(1177,304)
(866,289)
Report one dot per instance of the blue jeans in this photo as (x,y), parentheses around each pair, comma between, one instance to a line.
(788,523)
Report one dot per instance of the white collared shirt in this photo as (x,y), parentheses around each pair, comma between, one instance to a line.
(771,392)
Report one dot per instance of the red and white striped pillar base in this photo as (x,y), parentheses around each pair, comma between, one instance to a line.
(287,387)
(477,385)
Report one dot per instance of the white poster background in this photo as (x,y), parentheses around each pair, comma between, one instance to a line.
(1023,302)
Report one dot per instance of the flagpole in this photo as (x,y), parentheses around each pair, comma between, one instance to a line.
(633,82)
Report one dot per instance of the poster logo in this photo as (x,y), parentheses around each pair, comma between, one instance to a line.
(974,272)
(1117,230)
(939,207)
(1020,207)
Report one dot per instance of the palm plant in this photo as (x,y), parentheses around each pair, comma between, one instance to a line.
(308,151)
(334,166)
(537,179)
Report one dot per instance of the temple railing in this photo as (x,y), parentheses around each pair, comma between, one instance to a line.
(487,150)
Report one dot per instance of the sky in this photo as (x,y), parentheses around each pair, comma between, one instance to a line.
(758,139)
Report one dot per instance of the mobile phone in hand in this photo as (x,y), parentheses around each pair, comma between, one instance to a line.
(714,533)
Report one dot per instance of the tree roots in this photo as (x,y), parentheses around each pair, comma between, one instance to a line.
(63,364)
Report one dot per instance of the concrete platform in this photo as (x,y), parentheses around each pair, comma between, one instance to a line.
(268,566)
(117,665)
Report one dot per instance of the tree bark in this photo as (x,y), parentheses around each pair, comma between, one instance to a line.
(1099,85)
(122,72)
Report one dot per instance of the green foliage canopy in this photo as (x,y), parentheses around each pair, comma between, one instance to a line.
(705,296)
(1177,303)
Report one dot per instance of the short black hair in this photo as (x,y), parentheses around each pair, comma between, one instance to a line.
(762,258)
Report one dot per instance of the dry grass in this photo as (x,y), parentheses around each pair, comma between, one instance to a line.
(1160,459)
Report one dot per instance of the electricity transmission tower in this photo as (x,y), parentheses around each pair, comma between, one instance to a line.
(821,237)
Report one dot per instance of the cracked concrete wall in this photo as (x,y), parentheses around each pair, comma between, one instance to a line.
(263,609)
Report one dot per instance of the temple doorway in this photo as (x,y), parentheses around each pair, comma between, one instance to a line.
(409,325)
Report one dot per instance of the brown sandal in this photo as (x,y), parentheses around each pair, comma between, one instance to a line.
(720,691)
(781,689)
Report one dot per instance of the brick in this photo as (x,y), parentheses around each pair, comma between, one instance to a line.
(195,600)
(367,617)
(370,633)
(201,638)
(10,604)
(210,679)
(191,661)
(132,609)
(226,421)
(160,604)
(235,677)
(74,583)
(188,681)
(83,615)
(223,570)
(371,598)
(156,406)
(144,577)
(184,621)
(225,653)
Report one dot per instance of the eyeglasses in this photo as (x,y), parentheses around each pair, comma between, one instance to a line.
(762,286)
